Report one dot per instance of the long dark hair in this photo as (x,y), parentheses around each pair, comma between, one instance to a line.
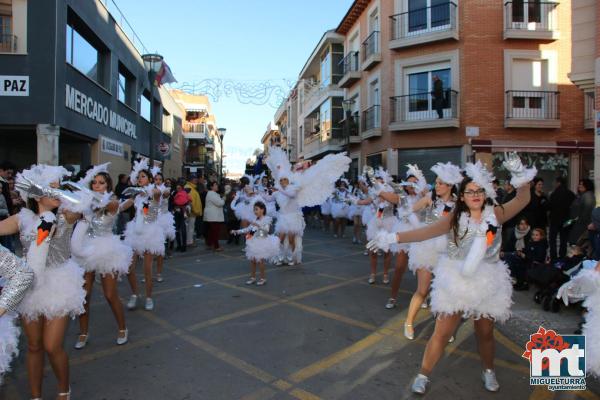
(262,206)
(148,174)
(107,179)
(461,207)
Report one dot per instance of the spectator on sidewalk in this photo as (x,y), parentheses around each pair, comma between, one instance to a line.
(559,204)
(200,228)
(213,216)
(500,193)
(594,230)
(6,205)
(192,186)
(581,211)
(534,253)
(181,200)
(537,209)
(508,226)
(233,224)
(123,217)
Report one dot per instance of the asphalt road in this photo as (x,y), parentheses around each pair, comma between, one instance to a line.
(315,331)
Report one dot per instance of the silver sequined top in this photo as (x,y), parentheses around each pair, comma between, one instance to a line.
(467,231)
(260,231)
(153,209)
(437,210)
(101,224)
(60,244)
(18,277)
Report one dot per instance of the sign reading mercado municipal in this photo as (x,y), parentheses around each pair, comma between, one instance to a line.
(92,109)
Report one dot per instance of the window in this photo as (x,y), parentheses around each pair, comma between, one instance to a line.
(326,69)
(428,15)
(590,99)
(145,106)
(526,11)
(167,122)
(421,89)
(81,54)
(325,118)
(125,86)
(7,44)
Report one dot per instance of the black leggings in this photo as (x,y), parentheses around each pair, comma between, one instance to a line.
(180,230)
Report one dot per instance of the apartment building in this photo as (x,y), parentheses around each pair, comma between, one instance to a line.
(434,80)
(202,143)
(286,119)
(74,89)
(273,136)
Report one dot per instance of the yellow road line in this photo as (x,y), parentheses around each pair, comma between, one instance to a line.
(334,316)
(233,315)
(303,395)
(264,393)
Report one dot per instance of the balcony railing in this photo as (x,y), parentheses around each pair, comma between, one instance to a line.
(371,118)
(532,105)
(371,45)
(423,21)
(531,16)
(350,63)
(589,115)
(8,43)
(194,127)
(424,107)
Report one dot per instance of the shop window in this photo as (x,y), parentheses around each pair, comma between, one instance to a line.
(145,106)
(126,86)
(85,52)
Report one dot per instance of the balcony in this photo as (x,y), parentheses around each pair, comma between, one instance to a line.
(423,111)
(371,122)
(315,93)
(531,20)
(195,130)
(354,128)
(317,145)
(371,51)
(532,109)
(424,25)
(8,43)
(351,70)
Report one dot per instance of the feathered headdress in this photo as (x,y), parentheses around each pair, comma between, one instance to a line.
(155,170)
(89,176)
(482,177)
(415,171)
(279,164)
(138,166)
(42,175)
(448,173)
(381,173)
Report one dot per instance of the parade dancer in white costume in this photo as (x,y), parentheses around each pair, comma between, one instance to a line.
(414,187)
(470,281)
(265,191)
(99,251)
(57,293)
(423,256)
(165,218)
(15,278)
(143,234)
(586,286)
(295,190)
(361,192)
(260,245)
(243,204)
(383,220)
(326,213)
(340,207)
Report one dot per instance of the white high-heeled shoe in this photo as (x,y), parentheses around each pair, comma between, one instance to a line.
(122,340)
(409,334)
(81,343)
(66,395)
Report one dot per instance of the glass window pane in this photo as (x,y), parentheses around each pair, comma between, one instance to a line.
(69,44)
(122,88)
(534,12)
(440,13)
(145,107)
(518,102)
(326,70)
(418,89)
(518,11)
(535,102)
(85,56)
(417,15)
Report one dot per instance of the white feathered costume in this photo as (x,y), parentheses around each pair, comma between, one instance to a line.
(307,188)
(144,234)
(425,254)
(57,289)
(260,245)
(95,246)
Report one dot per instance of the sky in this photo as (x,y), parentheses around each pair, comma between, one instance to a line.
(243,40)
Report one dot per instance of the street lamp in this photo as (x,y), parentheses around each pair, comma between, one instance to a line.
(222,132)
(152,63)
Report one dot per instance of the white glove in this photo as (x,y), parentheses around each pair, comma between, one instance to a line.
(519,174)
(382,241)
(579,287)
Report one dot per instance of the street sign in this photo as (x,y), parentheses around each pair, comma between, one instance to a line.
(14,85)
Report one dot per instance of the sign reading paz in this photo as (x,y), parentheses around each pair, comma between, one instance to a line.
(13,85)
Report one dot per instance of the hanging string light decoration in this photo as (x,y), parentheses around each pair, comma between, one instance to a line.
(258,93)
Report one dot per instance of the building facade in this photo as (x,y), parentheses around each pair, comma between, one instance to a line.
(431,80)
(202,144)
(75,90)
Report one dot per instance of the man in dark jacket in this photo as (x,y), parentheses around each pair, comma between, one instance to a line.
(559,204)
(438,96)
(537,209)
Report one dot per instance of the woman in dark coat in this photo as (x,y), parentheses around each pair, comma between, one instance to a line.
(581,210)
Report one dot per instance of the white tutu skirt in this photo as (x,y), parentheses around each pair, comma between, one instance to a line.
(290,223)
(367,215)
(377,224)
(487,293)
(56,292)
(9,342)
(271,209)
(400,226)
(245,212)
(151,239)
(426,254)
(340,210)
(167,223)
(109,255)
(355,211)
(262,248)
(326,208)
